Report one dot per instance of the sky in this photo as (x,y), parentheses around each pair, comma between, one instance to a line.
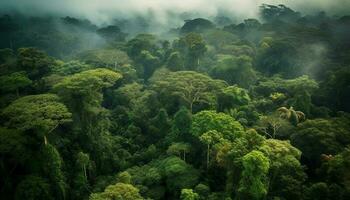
(102,11)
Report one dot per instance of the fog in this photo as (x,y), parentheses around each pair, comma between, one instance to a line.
(163,12)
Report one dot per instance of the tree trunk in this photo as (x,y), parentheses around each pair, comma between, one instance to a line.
(84,169)
(208,156)
(45,140)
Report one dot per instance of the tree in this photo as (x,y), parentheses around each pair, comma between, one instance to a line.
(149,63)
(117,191)
(178,149)
(82,91)
(280,12)
(232,97)
(33,187)
(290,114)
(197,25)
(286,174)
(181,125)
(188,194)
(190,87)
(235,70)
(210,138)
(273,126)
(205,121)
(112,33)
(124,177)
(178,174)
(51,164)
(139,43)
(81,182)
(321,136)
(113,59)
(175,62)
(253,183)
(43,113)
(35,62)
(193,47)
(14,82)
(277,56)
(219,38)
(69,68)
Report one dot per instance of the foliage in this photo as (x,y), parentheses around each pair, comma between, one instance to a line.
(117,191)
(255,168)
(214,109)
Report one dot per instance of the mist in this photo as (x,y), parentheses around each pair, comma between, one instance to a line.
(163,13)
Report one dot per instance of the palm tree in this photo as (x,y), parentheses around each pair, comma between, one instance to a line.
(292,115)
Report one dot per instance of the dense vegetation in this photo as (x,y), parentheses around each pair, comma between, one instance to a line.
(255,110)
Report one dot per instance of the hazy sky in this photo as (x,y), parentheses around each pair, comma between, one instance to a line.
(100,11)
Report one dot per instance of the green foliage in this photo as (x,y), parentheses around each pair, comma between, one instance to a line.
(190,87)
(232,97)
(188,194)
(32,188)
(235,70)
(205,121)
(253,183)
(14,82)
(117,191)
(210,110)
(175,62)
(124,177)
(193,47)
(286,173)
(109,58)
(321,136)
(52,168)
(35,62)
(69,68)
(42,112)
(178,174)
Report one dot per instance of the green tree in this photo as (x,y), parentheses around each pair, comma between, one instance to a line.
(232,97)
(205,121)
(188,194)
(286,174)
(321,136)
(235,70)
(175,62)
(253,184)
(149,63)
(14,82)
(193,47)
(209,138)
(83,93)
(118,191)
(51,162)
(81,182)
(32,188)
(190,87)
(290,114)
(181,125)
(43,113)
(35,62)
(180,149)
(178,174)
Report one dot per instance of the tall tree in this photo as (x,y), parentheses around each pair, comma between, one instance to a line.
(190,87)
(253,184)
(43,113)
